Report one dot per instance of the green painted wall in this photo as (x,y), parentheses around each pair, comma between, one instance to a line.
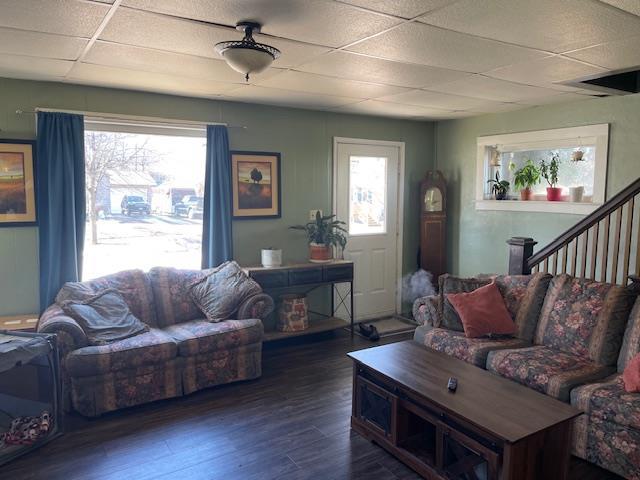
(303,137)
(477,238)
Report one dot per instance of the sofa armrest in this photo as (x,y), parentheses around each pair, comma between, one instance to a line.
(71,336)
(259,306)
(425,311)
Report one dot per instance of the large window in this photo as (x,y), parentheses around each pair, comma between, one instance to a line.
(144,199)
(581,156)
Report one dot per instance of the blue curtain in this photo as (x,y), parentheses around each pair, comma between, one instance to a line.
(61,201)
(217,241)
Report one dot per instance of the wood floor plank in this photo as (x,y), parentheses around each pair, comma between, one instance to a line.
(291,424)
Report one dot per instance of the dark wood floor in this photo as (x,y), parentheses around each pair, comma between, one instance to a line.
(291,424)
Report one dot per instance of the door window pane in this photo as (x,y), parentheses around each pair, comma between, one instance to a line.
(367,195)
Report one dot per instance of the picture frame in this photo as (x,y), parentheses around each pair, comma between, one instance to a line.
(17,183)
(255,185)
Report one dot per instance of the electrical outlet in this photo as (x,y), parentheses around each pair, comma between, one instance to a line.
(312,214)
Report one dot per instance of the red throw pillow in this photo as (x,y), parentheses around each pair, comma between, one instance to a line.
(631,375)
(483,312)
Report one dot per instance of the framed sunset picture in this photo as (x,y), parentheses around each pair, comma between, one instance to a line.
(255,185)
(17,185)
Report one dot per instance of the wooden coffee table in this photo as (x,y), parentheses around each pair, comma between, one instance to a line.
(489,429)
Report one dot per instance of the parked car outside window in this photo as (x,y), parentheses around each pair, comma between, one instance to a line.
(134,204)
(191,206)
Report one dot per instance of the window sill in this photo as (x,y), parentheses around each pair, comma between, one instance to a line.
(537,206)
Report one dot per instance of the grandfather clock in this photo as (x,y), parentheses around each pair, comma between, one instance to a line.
(433,224)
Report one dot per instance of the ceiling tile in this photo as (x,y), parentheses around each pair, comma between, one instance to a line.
(314,21)
(551,25)
(360,67)
(479,86)
(438,100)
(499,108)
(404,8)
(631,6)
(67,17)
(427,45)
(614,55)
(147,81)
(375,107)
(148,60)
(545,70)
(16,66)
(273,96)
(150,30)
(308,82)
(35,44)
(561,98)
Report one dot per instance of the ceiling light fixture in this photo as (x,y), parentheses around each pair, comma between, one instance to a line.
(247,56)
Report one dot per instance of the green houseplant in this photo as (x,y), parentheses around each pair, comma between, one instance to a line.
(549,172)
(525,178)
(323,233)
(499,188)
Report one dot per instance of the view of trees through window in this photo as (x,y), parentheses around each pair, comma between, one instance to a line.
(144,201)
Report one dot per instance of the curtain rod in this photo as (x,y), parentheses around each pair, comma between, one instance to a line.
(154,121)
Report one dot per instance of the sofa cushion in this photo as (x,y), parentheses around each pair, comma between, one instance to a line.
(105,318)
(483,312)
(524,295)
(222,290)
(133,285)
(471,350)
(171,291)
(609,445)
(152,347)
(448,317)
(631,375)
(631,343)
(609,401)
(201,336)
(544,369)
(584,318)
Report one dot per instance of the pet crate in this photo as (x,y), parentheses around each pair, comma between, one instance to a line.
(30,392)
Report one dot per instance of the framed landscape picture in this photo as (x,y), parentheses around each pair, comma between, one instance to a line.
(17,185)
(255,185)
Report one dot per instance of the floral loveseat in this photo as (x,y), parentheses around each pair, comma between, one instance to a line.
(182,352)
(573,339)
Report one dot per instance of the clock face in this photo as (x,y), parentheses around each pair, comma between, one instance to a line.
(432,200)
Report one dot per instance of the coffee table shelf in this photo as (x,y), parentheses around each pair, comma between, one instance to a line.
(490,429)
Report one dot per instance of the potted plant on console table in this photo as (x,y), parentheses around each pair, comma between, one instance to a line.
(324,233)
(549,172)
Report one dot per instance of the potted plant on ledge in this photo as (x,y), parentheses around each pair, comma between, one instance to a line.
(499,188)
(549,172)
(324,233)
(525,178)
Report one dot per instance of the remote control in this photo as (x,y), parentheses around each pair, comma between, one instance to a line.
(452,385)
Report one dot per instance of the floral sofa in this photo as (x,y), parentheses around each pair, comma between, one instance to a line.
(181,353)
(573,339)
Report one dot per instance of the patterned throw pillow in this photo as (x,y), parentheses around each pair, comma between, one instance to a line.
(631,375)
(105,317)
(222,290)
(449,318)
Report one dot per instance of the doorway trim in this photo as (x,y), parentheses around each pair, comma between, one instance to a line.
(399,201)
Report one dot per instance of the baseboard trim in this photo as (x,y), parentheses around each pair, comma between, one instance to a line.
(19,322)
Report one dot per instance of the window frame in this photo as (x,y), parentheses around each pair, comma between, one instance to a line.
(597,135)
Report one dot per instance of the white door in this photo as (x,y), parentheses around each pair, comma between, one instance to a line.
(366,186)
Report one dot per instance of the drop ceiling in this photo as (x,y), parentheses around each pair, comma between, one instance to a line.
(417,59)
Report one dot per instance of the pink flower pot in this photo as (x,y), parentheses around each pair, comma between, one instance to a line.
(554,194)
